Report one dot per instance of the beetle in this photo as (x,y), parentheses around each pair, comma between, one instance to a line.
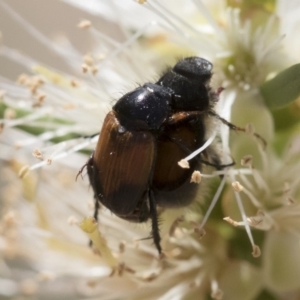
(133,169)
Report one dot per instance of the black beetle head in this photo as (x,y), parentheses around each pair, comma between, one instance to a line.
(194,68)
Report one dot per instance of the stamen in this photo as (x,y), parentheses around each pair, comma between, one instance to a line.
(205,145)
(256,220)
(130,41)
(196,177)
(208,16)
(175,17)
(216,292)
(133,66)
(264,158)
(84,24)
(9,114)
(253,199)
(242,211)
(256,251)
(38,154)
(269,48)
(163,16)
(261,183)
(184,164)
(38,35)
(246,161)
(24,171)
(89,226)
(196,43)
(65,153)
(40,99)
(72,220)
(200,232)
(213,202)
(26,120)
(88,60)
(253,221)
(237,186)
(74,83)
(232,222)
(94,70)
(46,136)
(84,68)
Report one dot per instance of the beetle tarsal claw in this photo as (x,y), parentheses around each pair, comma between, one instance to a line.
(145,238)
(80,171)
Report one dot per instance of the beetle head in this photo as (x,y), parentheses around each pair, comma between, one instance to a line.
(194,68)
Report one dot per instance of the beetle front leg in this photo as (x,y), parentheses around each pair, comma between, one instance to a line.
(154,220)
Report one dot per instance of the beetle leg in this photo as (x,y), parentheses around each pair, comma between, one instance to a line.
(86,165)
(81,170)
(184,116)
(237,128)
(154,220)
(97,206)
(96,210)
(89,136)
(214,157)
(216,165)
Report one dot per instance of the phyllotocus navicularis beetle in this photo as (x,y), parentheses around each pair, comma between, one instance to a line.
(134,168)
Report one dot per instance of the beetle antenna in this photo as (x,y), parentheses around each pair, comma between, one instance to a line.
(154,219)
(237,128)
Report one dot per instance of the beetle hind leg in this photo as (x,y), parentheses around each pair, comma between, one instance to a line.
(154,219)
(96,210)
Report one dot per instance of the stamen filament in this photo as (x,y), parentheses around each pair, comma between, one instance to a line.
(242,211)
(213,202)
(205,145)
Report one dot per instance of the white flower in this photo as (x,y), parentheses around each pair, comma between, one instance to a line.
(45,253)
